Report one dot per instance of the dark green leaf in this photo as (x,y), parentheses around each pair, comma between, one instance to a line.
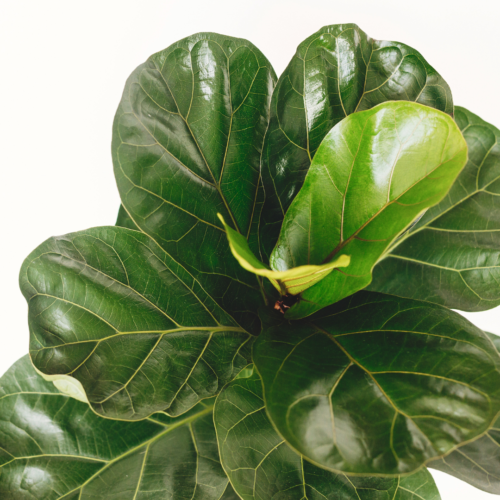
(373,174)
(230,494)
(335,72)
(109,308)
(477,463)
(260,464)
(53,447)
(124,220)
(377,384)
(187,143)
(452,256)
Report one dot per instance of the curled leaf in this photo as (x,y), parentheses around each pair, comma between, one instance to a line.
(290,282)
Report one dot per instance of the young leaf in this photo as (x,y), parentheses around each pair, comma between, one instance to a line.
(187,143)
(374,173)
(111,309)
(452,256)
(53,447)
(260,464)
(377,384)
(336,71)
(293,281)
(477,463)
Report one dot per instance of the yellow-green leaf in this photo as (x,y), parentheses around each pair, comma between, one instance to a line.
(292,281)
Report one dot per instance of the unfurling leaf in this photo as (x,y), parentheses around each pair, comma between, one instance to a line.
(290,282)
(372,176)
(377,384)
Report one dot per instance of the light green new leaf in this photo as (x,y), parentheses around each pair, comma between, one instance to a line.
(260,465)
(336,71)
(293,281)
(53,447)
(378,384)
(187,143)
(477,463)
(109,308)
(373,174)
(452,256)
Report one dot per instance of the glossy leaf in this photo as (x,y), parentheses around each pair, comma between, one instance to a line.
(111,309)
(260,464)
(377,384)
(292,281)
(452,256)
(335,72)
(53,447)
(477,463)
(187,143)
(374,173)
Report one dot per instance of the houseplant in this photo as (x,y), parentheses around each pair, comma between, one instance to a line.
(271,316)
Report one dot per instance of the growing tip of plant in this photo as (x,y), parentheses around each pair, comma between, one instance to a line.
(289,283)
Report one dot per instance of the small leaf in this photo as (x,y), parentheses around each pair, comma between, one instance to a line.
(452,256)
(377,384)
(260,464)
(187,144)
(66,385)
(373,175)
(336,71)
(111,310)
(293,281)
(53,447)
(477,463)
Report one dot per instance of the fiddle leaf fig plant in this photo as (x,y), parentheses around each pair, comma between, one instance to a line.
(271,316)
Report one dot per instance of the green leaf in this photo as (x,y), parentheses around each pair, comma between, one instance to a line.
(477,463)
(452,256)
(377,384)
(53,447)
(230,494)
(337,71)
(260,464)
(187,143)
(124,220)
(292,281)
(109,308)
(373,174)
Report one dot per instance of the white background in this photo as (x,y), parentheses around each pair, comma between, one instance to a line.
(63,65)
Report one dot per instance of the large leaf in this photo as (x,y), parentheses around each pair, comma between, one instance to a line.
(377,384)
(109,308)
(260,464)
(374,173)
(187,143)
(452,256)
(337,71)
(477,463)
(53,447)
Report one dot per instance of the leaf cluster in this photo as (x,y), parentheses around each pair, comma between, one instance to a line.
(273,314)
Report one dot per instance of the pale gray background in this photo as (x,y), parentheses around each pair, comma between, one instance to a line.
(63,65)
